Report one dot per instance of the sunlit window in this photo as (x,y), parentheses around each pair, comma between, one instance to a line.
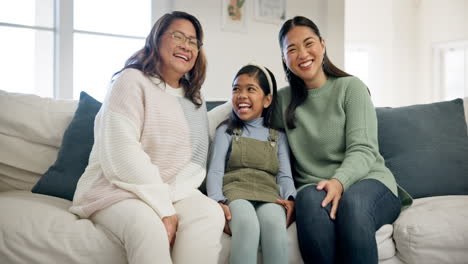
(106,33)
(61,47)
(454,72)
(27,46)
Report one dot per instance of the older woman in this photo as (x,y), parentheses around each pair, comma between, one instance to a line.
(150,151)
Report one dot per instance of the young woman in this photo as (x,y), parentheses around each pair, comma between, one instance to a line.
(250,174)
(150,152)
(345,191)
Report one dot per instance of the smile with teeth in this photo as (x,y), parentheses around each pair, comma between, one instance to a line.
(305,64)
(243,107)
(181,56)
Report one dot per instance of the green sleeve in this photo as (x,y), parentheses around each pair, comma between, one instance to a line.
(361,134)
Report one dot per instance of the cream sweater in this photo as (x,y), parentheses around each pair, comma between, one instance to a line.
(150,143)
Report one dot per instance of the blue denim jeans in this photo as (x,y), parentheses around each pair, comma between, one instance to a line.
(350,238)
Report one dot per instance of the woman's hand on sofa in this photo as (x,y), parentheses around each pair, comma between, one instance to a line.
(227,215)
(171,223)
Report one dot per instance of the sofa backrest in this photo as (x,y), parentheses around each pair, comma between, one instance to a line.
(31,130)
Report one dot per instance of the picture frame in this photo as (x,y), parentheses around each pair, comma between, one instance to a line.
(234,15)
(270,11)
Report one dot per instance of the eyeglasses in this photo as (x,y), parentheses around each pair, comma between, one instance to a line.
(180,38)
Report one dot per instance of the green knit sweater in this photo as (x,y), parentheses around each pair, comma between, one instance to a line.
(335,135)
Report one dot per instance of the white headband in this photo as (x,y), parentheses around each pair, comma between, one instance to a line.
(264,70)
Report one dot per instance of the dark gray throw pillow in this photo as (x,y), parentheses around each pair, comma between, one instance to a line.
(426,147)
(61,178)
(212,104)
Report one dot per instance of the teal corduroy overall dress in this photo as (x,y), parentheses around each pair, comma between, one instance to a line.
(252,168)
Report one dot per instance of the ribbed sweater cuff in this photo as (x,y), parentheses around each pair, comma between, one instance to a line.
(344,179)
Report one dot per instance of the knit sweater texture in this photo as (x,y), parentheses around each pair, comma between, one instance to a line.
(150,143)
(335,135)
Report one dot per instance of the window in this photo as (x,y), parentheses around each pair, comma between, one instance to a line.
(27,46)
(451,70)
(57,48)
(106,33)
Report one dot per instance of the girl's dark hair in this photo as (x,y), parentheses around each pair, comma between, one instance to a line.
(253,71)
(298,87)
(148,59)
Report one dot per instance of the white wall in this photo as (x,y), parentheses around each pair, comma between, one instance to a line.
(385,28)
(399,35)
(439,23)
(228,51)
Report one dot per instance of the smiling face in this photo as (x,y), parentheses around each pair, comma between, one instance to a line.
(303,53)
(248,98)
(177,57)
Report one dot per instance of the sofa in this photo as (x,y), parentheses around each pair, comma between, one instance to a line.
(42,138)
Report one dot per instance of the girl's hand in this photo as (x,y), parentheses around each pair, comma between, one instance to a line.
(171,223)
(289,206)
(227,215)
(334,190)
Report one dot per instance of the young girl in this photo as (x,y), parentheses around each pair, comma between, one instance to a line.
(250,173)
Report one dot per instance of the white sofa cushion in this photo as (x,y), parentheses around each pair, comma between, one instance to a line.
(385,244)
(26,155)
(37,228)
(34,118)
(31,133)
(12,178)
(433,230)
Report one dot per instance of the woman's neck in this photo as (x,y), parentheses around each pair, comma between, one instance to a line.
(171,78)
(316,82)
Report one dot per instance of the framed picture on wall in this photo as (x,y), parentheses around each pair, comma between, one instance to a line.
(270,11)
(234,15)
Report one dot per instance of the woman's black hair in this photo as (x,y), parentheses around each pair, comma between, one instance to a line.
(254,71)
(298,87)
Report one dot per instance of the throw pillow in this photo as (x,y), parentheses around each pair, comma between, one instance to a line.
(61,178)
(212,104)
(426,147)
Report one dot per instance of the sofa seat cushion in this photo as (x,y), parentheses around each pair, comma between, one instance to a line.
(36,228)
(433,230)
